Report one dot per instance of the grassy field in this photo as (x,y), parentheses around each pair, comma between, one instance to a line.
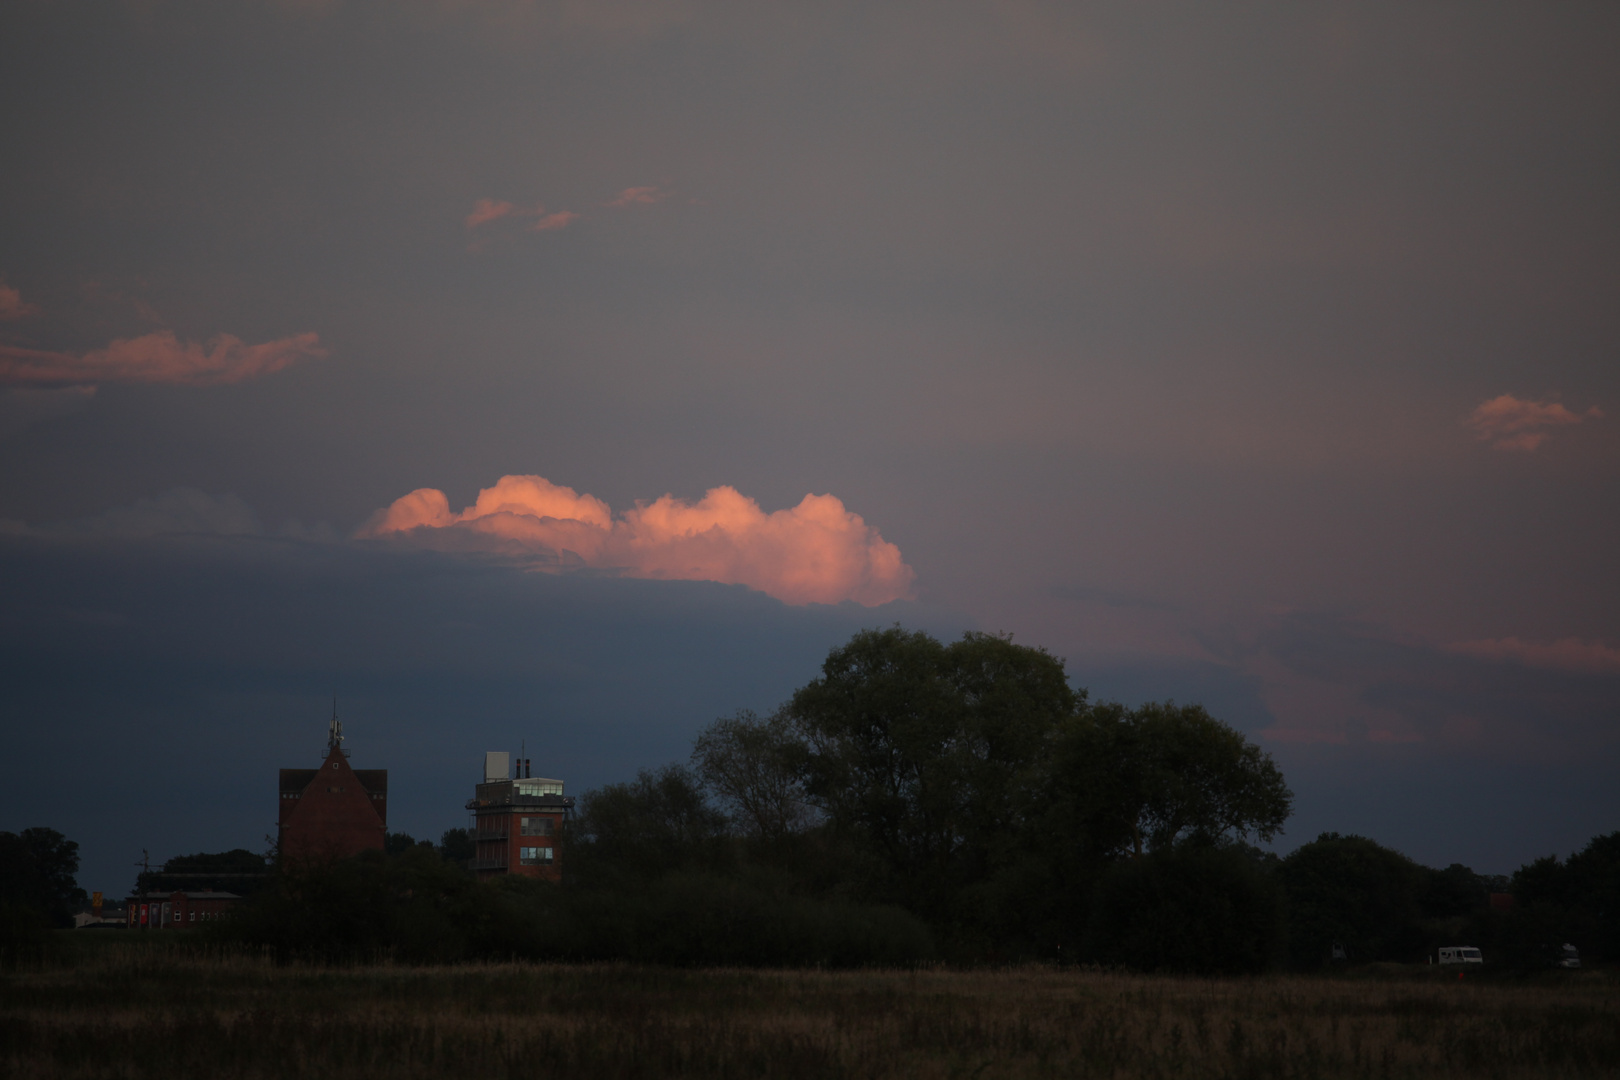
(123,1010)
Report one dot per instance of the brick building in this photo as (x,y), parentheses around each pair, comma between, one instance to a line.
(177,910)
(334,811)
(517,821)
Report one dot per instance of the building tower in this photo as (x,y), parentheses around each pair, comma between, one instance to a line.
(517,821)
(334,811)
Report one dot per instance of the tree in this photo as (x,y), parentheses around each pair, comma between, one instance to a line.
(1352,891)
(1453,892)
(928,754)
(1160,775)
(237,871)
(458,846)
(659,822)
(37,868)
(755,765)
(1197,779)
(1577,900)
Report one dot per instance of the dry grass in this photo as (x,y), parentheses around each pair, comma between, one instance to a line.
(139,1012)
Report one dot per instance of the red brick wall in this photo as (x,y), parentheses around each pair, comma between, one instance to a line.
(510,822)
(333,817)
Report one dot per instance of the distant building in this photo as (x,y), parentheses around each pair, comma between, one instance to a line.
(106,918)
(177,910)
(517,821)
(334,811)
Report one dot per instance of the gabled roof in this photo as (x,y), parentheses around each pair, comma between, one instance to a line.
(294,781)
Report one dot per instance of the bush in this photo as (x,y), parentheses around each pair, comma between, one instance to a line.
(416,908)
(1203,911)
(412,906)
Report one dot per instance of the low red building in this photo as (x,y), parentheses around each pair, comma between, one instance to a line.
(177,910)
(517,821)
(334,811)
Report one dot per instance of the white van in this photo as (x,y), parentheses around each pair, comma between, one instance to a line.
(1461,954)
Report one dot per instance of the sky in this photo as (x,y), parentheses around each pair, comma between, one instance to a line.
(571,374)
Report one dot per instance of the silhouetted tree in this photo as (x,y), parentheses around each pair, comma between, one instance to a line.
(659,822)
(37,869)
(457,846)
(1577,901)
(1352,891)
(755,766)
(1453,892)
(238,871)
(928,755)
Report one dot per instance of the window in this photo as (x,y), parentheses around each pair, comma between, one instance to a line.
(536,826)
(537,786)
(534,856)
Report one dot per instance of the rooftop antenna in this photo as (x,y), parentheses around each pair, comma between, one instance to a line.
(334,730)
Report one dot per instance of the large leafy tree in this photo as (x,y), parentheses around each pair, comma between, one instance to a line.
(1159,776)
(1198,779)
(929,754)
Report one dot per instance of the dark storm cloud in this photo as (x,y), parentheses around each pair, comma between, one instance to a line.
(1489,753)
(1448,755)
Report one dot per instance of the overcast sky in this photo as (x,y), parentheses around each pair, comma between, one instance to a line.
(1263,356)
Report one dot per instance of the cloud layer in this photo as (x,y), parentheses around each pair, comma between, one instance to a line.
(1565,654)
(1509,423)
(816,552)
(157,358)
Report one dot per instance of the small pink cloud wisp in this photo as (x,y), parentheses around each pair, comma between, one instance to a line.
(1511,423)
(157,358)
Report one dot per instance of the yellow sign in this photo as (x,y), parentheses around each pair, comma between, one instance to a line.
(95,902)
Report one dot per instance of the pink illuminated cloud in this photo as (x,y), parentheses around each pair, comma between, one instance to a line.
(157,358)
(12,305)
(486,211)
(1509,423)
(815,552)
(644,196)
(1565,654)
(559,220)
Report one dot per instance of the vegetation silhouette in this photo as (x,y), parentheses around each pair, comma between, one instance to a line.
(917,802)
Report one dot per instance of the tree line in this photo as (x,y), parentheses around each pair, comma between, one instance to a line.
(923,801)
(960,801)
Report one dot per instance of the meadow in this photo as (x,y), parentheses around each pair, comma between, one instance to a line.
(125,1009)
